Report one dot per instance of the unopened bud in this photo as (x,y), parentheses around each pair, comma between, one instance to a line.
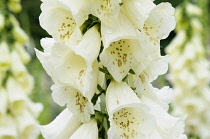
(20,35)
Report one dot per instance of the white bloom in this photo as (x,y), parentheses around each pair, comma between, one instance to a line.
(121,48)
(8,128)
(77,64)
(160,22)
(20,35)
(5,58)
(86,131)
(128,117)
(17,67)
(166,125)
(24,55)
(106,10)
(193,10)
(16,97)
(63,126)
(138,11)
(27,126)
(66,29)
(3,103)
(79,105)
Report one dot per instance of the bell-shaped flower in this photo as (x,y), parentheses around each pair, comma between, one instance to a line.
(2,21)
(8,128)
(79,105)
(77,64)
(138,11)
(3,102)
(5,58)
(17,67)
(34,108)
(160,23)
(86,131)
(27,126)
(128,117)
(23,54)
(167,126)
(20,35)
(16,96)
(58,129)
(121,48)
(72,15)
(106,10)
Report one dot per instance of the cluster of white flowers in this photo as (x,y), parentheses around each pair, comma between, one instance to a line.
(109,47)
(17,112)
(190,70)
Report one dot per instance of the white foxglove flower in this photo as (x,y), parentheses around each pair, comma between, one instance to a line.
(5,58)
(17,67)
(160,22)
(138,11)
(26,125)
(8,128)
(167,126)
(16,97)
(79,105)
(3,103)
(24,55)
(121,48)
(106,11)
(128,117)
(20,35)
(78,67)
(66,29)
(86,131)
(58,129)
(34,108)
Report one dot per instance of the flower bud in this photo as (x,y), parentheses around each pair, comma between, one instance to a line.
(20,35)
(4,56)
(15,6)
(24,56)
(2,21)
(193,10)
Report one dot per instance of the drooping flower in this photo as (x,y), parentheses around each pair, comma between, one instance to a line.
(129,118)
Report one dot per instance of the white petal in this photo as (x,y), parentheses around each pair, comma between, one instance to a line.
(128,117)
(160,22)
(16,96)
(138,11)
(5,58)
(121,48)
(74,70)
(86,131)
(106,11)
(167,126)
(3,102)
(27,125)
(58,129)
(89,46)
(64,28)
(79,105)
(34,108)
(8,128)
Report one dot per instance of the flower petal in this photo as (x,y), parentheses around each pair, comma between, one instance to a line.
(138,11)
(128,117)
(121,48)
(160,22)
(79,105)
(86,131)
(58,129)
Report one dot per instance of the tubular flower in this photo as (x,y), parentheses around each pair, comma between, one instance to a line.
(103,64)
(190,67)
(18,113)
